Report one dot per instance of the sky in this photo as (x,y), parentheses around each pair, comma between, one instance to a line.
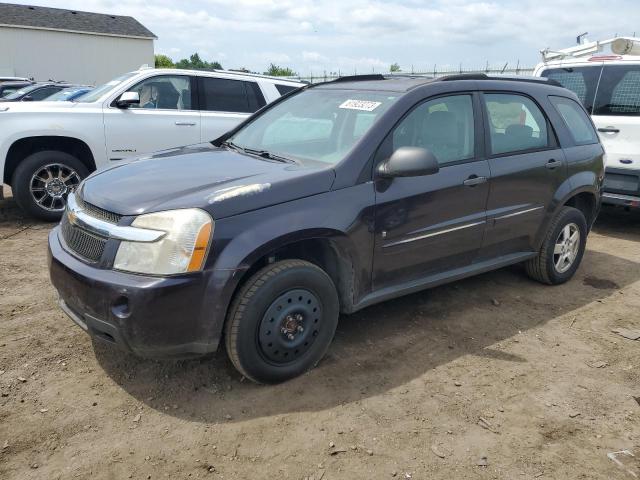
(362,36)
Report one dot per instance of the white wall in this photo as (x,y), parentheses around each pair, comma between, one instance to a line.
(74,57)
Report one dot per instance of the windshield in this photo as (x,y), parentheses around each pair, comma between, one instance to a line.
(20,93)
(66,94)
(98,92)
(319,125)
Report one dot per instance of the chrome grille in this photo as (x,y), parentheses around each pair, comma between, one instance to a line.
(97,212)
(82,243)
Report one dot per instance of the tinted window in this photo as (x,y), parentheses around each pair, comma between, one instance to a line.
(223,95)
(515,123)
(166,92)
(284,89)
(619,91)
(576,120)
(256,99)
(582,81)
(43,93)
(444,126)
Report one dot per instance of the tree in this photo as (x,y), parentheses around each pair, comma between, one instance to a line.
(162,61)
(394,68)
(277,71)
(195,62)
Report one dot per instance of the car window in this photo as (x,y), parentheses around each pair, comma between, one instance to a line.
(576,119)
(284,89)
(224,95)
(515,123)
(43,93)
(619,91)
(445,126)
(582,81)
(166,92)
(102,90)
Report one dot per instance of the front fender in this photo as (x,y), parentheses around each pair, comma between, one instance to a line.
(344,216)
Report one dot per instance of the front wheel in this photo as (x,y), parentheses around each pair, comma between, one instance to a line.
(282,321)
(562,249)
(43,180)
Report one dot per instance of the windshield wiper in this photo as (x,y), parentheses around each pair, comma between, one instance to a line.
(232,146)
(269,155)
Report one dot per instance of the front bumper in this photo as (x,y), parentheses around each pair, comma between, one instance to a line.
(622,187)
(176,316)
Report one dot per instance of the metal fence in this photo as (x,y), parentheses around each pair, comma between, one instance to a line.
(436,72)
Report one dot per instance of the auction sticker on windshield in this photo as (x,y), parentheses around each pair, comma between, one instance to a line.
(364,105)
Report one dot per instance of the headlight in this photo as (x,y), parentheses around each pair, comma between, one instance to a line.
(182,249)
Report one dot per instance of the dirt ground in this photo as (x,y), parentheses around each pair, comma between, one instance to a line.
(528,376)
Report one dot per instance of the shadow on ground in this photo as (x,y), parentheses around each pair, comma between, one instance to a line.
(375,350)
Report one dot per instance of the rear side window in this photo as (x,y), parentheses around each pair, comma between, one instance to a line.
(284,89)
(43,93)
(619,91)
(576,120)
(223,95)
(515,123)
(582,81)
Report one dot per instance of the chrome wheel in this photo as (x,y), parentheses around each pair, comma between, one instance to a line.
(51,184)
(566,248)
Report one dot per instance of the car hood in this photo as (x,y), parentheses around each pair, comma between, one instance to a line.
(221,181)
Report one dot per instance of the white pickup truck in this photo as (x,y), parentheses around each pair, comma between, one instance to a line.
(47,148)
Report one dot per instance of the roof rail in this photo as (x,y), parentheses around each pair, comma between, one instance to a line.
(360,78)
(463,76)
(483,76)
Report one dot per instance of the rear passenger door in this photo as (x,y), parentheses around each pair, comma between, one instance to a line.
(224,103)
(527,167)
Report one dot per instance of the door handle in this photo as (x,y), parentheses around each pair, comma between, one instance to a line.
(553,163)
(609,130)
(474,180)
(185,124)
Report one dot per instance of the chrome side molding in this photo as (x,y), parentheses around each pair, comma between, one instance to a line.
(78,217)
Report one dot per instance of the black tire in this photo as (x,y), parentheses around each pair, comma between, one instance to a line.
(543,268)
(269,298)
(22,178)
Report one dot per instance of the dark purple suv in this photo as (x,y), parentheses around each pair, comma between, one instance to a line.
(333,198)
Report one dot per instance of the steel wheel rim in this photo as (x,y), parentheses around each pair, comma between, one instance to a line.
(290,326)
(566,248)
(51,184)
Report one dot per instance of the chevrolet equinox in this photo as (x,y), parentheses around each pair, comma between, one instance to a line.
(333,198)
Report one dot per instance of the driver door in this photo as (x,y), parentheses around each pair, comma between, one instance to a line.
(164,118)
(435,223)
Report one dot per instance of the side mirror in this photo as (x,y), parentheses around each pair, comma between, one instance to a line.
(127,99)
(27,98)
(409,162)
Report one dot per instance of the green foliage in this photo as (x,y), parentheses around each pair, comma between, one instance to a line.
(195,62)
(162,61)
(394,68)
(276,71)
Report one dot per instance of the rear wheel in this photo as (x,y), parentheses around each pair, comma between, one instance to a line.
(562,249)
(282,321)
(43,180)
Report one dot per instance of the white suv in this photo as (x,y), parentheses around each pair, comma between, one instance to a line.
(606,77)
(47,148)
